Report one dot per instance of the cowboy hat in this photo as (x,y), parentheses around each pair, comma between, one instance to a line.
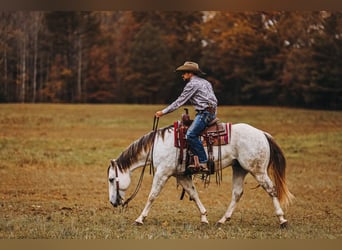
(191,67)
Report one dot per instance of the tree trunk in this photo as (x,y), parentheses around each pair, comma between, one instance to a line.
(34,87)
(35,28)
(5,74)
(79,69)
(23,70)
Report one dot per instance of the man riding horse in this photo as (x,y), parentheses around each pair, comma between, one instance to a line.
(201,95)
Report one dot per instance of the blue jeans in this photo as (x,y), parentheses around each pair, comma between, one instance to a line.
(200,122)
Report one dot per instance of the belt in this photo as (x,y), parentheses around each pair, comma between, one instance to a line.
(211,110)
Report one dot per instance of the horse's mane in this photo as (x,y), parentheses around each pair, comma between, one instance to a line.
(131,154)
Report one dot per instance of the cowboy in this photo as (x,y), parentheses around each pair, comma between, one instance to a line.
(201,95)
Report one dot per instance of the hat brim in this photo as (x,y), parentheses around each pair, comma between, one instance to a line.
(190,69)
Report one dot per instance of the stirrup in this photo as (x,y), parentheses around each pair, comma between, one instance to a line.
(199,168)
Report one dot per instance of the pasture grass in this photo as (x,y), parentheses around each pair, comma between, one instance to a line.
(54,158)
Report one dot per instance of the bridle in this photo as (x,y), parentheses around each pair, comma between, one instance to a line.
(117,181)
(149,155)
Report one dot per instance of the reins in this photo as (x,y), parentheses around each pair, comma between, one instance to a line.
(154,129)
(150,154)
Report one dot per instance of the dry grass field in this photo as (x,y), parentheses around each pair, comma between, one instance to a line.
(54,158)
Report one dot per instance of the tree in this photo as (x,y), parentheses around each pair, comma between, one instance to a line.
(5,36)
(181,35)
(100,87)
(149,66)
(275,58)
(72,35)
(325,86)
(120,37)
(36,28)
(234,50)
(256,58)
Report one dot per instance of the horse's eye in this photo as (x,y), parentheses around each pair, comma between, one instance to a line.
(111,180)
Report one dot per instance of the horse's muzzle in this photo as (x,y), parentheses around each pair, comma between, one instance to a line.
(114,204)
(118,202)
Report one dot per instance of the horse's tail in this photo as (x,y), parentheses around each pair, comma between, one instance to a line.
(277,165)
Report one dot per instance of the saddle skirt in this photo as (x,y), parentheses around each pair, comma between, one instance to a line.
(216,134)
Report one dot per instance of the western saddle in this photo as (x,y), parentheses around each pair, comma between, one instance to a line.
(216,134)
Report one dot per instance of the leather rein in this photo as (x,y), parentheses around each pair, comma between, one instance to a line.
(149,155)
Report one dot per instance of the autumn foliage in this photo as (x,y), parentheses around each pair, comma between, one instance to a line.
(257,58)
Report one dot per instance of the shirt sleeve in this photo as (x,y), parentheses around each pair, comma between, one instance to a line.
(188,91)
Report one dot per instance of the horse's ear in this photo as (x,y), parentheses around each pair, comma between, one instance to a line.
(112,162)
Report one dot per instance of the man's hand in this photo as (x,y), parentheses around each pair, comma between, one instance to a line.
(159,114)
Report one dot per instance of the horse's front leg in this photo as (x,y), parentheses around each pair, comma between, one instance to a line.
(157,185)
(187,183)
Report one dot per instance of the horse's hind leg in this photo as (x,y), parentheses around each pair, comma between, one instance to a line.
(187,184)
(238,177)
(267,184)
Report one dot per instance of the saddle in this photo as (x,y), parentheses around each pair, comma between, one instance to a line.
(216,134)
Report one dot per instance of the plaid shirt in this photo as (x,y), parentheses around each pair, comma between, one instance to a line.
(199,92)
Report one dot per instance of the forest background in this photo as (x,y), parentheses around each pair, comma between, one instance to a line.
(275,58)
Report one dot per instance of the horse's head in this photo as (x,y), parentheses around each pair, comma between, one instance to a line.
(118,183)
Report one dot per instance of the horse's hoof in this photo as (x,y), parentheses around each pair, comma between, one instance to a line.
(222,221)
(283,225)
(138,223)
(219,224)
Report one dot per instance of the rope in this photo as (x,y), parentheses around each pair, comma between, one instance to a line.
(219,158)
(150,152)
(154,129)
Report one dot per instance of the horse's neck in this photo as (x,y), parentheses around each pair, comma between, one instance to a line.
(164,140)
(140,162)
(144,158)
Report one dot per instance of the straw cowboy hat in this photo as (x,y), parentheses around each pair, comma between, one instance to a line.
(191,67)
